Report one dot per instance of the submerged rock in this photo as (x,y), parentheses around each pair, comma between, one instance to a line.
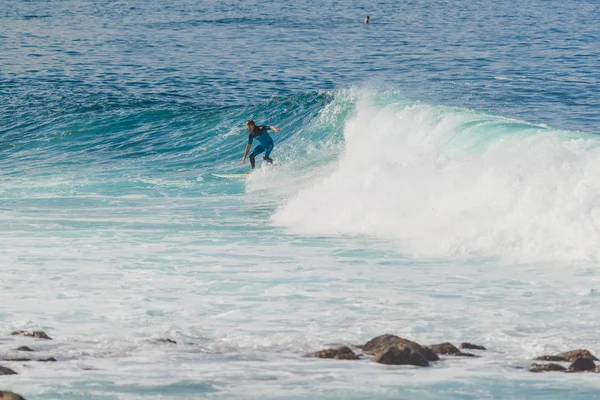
(582,364)
(471,346)
(401,355)
(6,395)
(546,367)
(166,341)
(6,371)
(338,353)
(448,348)
(24,348)
(380,343)
(35,334)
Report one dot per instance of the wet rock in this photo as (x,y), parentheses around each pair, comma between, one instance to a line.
(401,355)
(444,348)
(35,334)
(380,343)
(24,348)
(338,353)
(569,356)
(429,354)
(6,395)
(6,371)
(471,346)
(551,358)
(574,354)
(166,341)
(546,367)
(448,348)
(582,364)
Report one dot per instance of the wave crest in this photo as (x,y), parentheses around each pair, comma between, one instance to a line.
(450,182)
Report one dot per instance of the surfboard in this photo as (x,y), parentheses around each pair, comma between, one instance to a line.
(231,176)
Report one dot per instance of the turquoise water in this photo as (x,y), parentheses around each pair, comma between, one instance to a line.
(435,177)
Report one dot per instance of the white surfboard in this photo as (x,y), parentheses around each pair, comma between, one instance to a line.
(231,176)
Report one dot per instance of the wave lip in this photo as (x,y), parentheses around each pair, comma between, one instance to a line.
(447,182)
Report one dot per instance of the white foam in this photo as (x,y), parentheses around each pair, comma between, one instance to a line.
(445,182)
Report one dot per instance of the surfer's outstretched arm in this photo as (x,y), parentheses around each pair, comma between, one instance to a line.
(274,128)
(245,153)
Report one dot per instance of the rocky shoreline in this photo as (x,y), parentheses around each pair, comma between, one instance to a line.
(385,349)
(393,350)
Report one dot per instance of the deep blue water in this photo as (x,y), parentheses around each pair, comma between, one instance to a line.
(435,177)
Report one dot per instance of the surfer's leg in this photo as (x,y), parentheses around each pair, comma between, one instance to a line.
(267,154)
(257,150)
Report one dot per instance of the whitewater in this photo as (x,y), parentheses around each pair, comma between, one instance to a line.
(435,177)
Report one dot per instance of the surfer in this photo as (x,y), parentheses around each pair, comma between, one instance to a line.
(367,20)
(266,142)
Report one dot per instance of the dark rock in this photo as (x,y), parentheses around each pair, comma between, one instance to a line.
(546,367)
(551,358)
(401,355)
(5,395)
(35,334)
(582,364)
(6,371)
(428,353)
(166,341)
(445,348)
(24,348)
(338,353)
(448,348)
(569,356)
(471,346)
(574,354)
(380,343)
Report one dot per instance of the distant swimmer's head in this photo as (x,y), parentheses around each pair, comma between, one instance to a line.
(250,125)
(367,19)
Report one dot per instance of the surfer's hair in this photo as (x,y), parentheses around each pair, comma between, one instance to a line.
(250,122)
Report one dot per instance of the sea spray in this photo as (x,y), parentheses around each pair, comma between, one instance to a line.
(447,182)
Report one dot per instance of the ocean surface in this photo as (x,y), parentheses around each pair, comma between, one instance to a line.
(437,176)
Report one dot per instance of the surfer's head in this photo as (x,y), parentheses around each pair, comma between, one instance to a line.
(250,125)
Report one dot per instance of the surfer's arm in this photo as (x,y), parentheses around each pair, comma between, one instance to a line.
(269,128)
(246,153)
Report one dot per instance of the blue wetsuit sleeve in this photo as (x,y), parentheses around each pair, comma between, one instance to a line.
(265,128)
(250,139)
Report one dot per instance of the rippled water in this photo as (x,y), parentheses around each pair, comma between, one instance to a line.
(435,178)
